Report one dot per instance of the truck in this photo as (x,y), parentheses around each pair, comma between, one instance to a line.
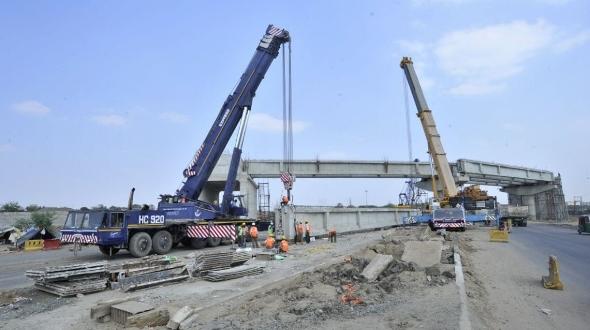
(182,217)
(450,199)
(518,214)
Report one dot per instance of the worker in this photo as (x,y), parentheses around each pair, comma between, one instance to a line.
(284,246)
(242,235)
(270,242)
(332,235)
(307,232)
(254,235)
(299,233)
(271,230)
(284,200)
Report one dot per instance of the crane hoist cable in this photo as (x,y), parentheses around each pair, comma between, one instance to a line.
(286,173)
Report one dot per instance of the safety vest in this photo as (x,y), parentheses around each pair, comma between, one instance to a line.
(240,231)
(253,231)
(270,230)
(284,246)
(270,243)
(299,228)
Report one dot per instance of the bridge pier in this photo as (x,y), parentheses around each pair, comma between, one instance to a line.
(545,201)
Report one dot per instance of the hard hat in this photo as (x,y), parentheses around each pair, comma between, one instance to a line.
(243,223)
(253,224)
(283,237)
(306,221)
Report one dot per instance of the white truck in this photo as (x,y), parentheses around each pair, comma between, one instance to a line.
(518,214)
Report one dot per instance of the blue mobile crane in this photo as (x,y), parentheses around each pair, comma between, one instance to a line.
(182,217)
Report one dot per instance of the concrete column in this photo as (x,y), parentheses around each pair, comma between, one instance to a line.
(358,219)
(529,200)
(326,221)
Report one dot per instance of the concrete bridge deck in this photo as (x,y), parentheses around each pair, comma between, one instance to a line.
(464,170)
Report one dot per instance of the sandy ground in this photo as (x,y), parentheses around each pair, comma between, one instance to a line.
(504,288)
(305,288)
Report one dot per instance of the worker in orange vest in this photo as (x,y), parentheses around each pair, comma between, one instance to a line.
(332,235)
(299,233)
(254,235)
(270,242)
(307,231)
(284,246)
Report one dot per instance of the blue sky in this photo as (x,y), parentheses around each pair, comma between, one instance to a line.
(99,96)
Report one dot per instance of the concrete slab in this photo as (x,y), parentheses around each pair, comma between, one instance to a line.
(423,253)
(376,266)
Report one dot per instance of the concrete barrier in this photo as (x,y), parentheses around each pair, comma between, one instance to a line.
(51,244)
(34,245)
(343,220)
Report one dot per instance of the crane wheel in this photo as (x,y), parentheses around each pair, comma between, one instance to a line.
(198,243)
(162,242)
(213,241)
(140,245)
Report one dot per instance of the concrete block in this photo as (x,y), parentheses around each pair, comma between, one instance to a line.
(103,308)
(376,266)
(423,253)
(153,318)
(179,316)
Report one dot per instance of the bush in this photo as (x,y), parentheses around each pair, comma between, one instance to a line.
(11,207)
(23,224)
(33,208)
(38,219)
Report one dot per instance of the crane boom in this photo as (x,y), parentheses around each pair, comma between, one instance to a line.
(232,112)
(435,148)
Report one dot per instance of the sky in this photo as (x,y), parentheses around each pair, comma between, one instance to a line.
(97,97)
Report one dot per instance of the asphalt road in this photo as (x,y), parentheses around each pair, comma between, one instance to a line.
(538,241)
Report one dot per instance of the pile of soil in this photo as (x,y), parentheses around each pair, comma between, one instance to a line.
(317,297)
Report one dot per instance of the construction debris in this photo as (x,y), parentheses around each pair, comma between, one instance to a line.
(376,266)
(182,314)
(219,260)
(236,272)
(147,272)
(153,318)
(66,281)
(121,312)
(103,308)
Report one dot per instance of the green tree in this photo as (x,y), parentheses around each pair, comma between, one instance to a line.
(11,207)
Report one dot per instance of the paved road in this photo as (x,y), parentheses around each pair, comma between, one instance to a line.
(538,241)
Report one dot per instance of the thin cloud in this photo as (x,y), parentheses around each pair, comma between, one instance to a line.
(31,107)
(483,57)
(574,41)
(174,117)
(267,123)
(110,120)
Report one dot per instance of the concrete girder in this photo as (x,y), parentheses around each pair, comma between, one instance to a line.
(528,190)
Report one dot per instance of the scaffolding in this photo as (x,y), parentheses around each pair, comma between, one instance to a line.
(264,211)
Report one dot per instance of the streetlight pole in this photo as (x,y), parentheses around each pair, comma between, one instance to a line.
(366,200)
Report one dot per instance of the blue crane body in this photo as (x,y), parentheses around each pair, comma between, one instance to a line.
(182,217)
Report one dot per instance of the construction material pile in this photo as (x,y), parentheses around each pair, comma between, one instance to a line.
(146,272)
(71,280)
(232,273)
(219,260)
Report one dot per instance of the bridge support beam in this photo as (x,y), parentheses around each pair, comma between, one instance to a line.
(545,201)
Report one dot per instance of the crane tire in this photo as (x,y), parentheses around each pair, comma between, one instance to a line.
(213,241)
(140,244)
(198,243)
(162,242)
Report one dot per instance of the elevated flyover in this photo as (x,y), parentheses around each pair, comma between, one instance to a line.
(539,189)
(465,171)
